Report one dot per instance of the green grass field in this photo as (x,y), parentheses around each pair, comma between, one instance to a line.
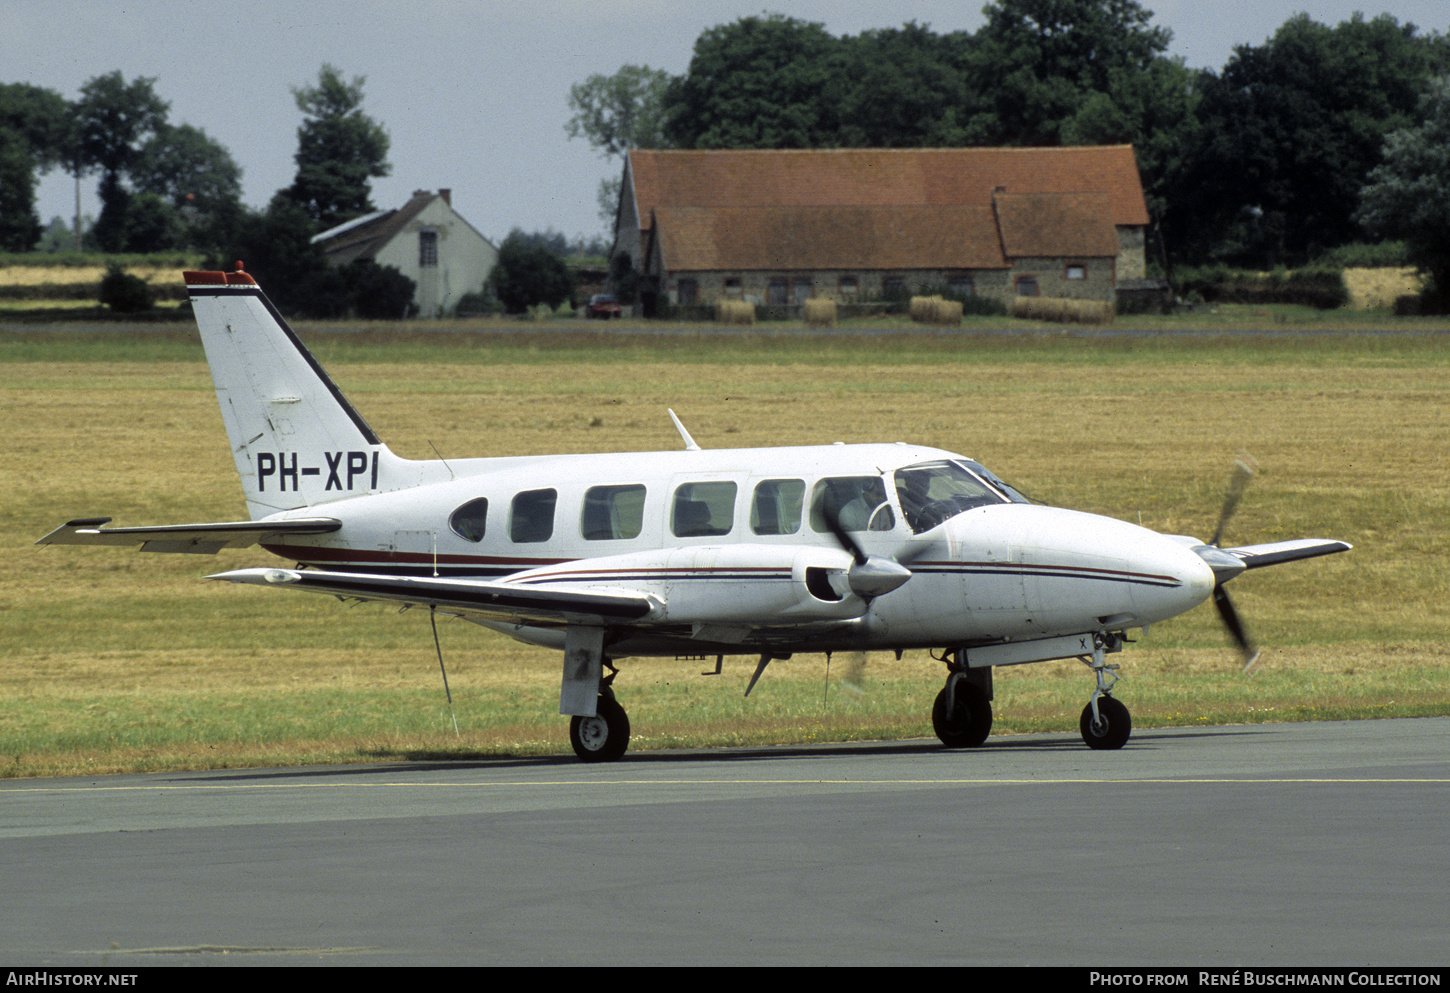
(114,660)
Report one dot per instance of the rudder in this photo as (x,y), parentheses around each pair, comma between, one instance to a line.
(296,439)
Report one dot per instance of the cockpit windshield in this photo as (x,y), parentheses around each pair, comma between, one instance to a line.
(1008,490)
(932,492)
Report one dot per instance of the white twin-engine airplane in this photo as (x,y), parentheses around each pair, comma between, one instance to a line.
(766,552)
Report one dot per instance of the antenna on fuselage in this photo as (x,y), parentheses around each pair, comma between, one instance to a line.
(690,445)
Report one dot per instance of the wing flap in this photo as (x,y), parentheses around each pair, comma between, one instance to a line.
(197,539)
(481,599)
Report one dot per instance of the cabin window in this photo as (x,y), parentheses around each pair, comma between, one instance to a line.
(703,509)
(932,492)
(857,502)
(776,508)
(613,512)
(427,248)
(532,516)
(1077,272)
(468,521)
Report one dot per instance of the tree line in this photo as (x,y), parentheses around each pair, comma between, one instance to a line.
(166,186)
(1264,162)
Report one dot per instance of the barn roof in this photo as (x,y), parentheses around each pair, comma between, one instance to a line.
(903,177)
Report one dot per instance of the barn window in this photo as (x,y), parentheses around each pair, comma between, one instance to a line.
(777,293)
(1027,286)
(689,290)
(961,286)
(849,286)
(1077,272)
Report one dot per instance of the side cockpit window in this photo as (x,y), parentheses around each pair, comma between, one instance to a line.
(857,503)
(468,521)
(531,517)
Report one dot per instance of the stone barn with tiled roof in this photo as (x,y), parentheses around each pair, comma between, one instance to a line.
(780,227)
(427,241)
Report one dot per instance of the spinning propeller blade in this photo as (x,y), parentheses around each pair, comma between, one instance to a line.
(1243,473)
(870,576)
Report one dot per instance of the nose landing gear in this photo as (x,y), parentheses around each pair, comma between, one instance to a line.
(1105,723)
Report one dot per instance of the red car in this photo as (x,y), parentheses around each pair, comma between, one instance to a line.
(603,306)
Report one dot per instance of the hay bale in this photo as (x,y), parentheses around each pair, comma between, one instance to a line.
(1060,310)
(935,310)
(734,311)
(820,313)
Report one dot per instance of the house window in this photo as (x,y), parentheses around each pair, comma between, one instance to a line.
(777,293)
(1027,286)
(688,291)
(427,248)
(1077,272)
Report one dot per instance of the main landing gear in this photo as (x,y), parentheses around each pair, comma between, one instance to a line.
(605,736)
(962,713)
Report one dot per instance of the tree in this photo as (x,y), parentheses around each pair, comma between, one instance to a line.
(34,124)
(902,88)
(339,150)
(1291,130)
(620,112)
(762,82)
(113,120)
(1408,194)
(529,274)
(617,113)
(1036,62)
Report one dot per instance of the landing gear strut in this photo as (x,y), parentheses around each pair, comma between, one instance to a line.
(962,713)
(605,736)
(1105,723)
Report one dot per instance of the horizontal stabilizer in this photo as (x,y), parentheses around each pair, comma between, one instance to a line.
(1277,552)
(482,599)
(198,539)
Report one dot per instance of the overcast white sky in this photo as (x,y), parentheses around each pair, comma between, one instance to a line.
(474,93)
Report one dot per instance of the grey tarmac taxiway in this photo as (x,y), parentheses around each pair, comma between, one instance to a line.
(1271,844)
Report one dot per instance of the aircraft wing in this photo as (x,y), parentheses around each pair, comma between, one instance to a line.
(474,598)
(199,539)
(1273,553)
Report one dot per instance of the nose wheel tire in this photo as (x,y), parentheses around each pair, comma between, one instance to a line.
(1111,728)
(603,737)
(969,720)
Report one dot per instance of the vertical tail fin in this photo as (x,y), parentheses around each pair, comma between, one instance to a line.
(296,439)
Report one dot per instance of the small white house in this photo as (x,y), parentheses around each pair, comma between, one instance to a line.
(427,241)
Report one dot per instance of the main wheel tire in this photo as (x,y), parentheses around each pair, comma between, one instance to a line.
(970,721)
(1112,728)
(603,737)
